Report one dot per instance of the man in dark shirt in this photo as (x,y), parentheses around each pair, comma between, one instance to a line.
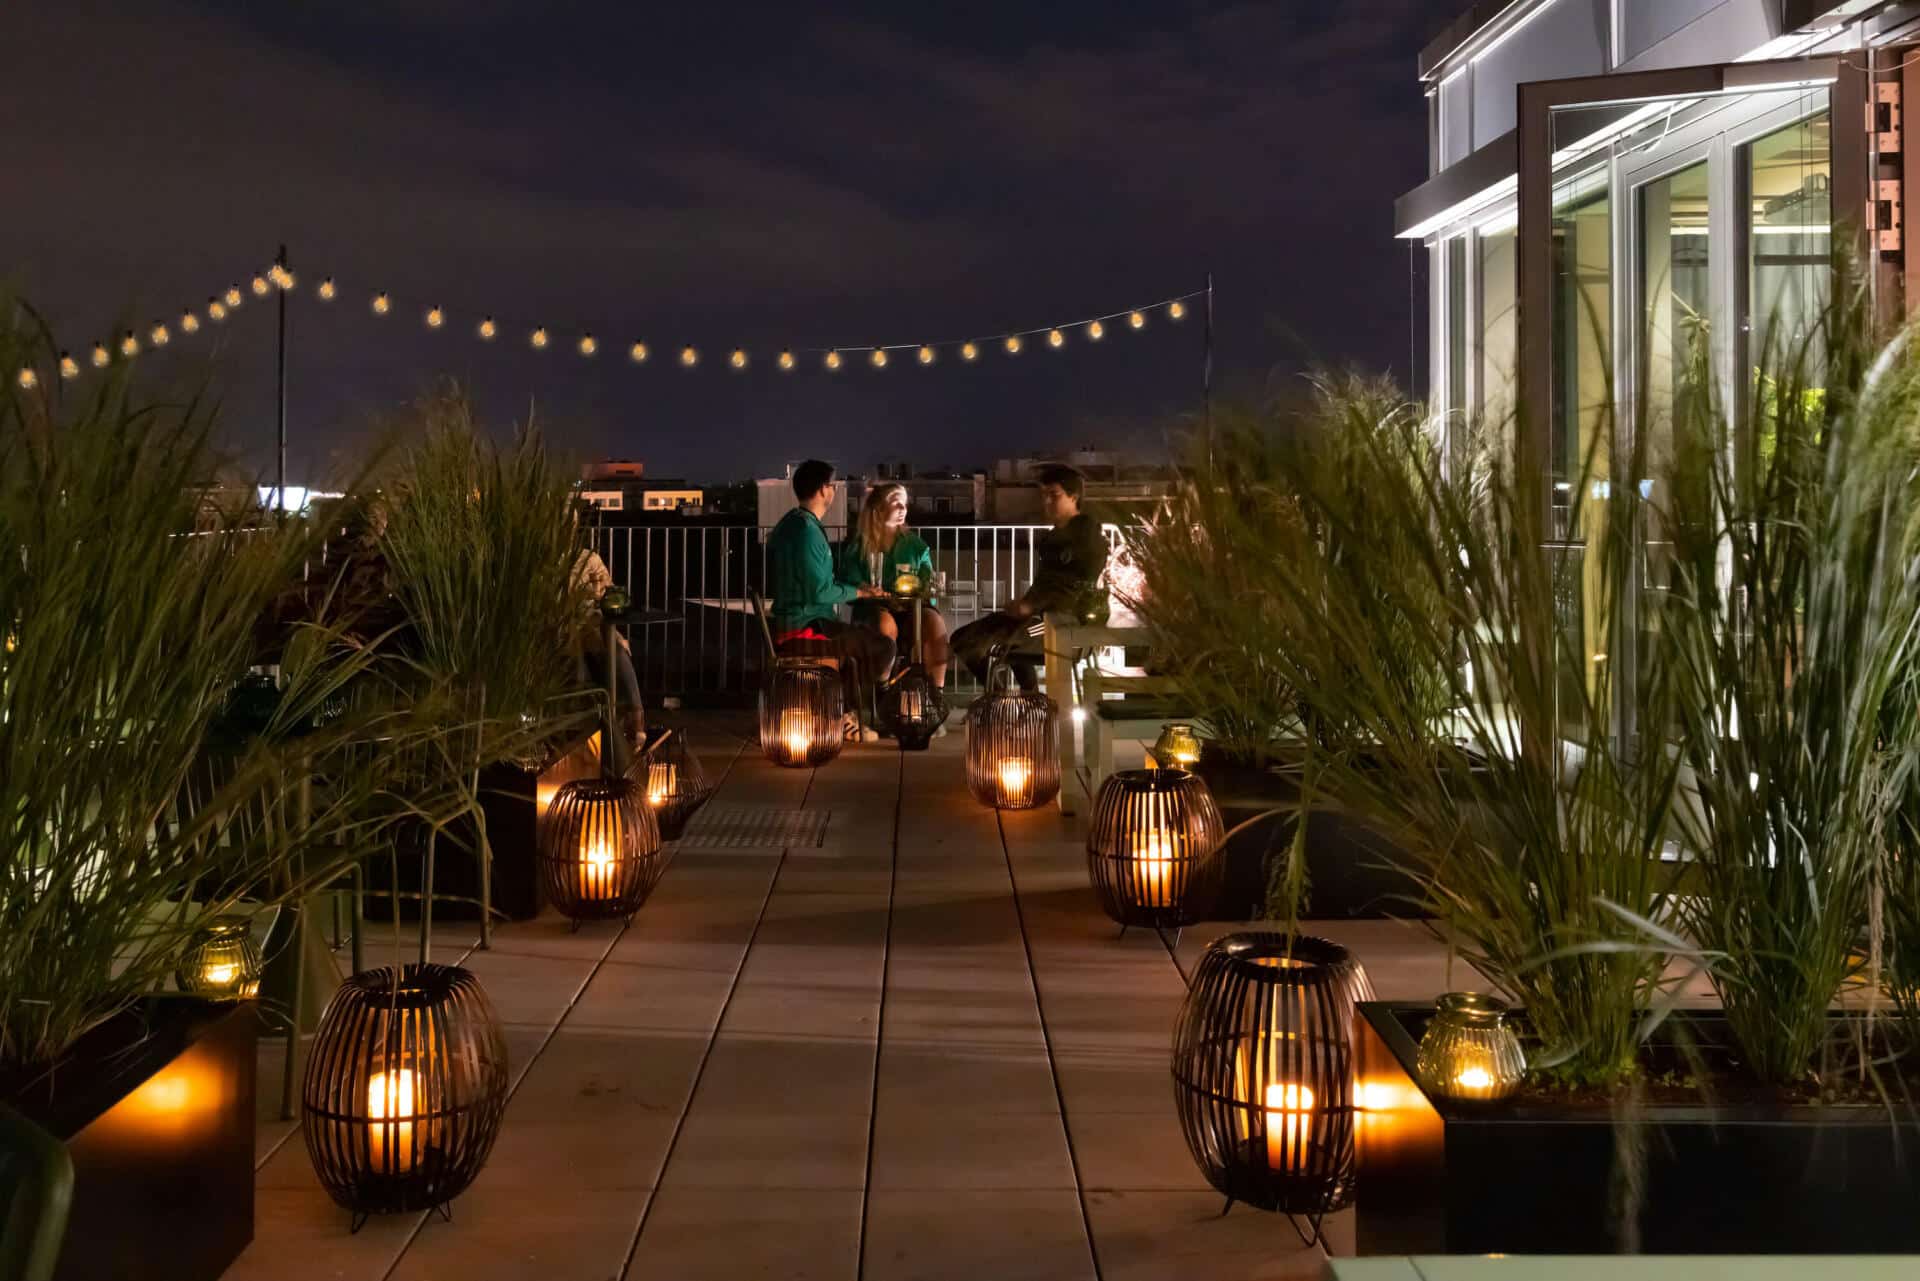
(1069,559)
(804,611)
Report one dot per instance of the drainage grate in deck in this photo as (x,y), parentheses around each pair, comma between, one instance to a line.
(750,826)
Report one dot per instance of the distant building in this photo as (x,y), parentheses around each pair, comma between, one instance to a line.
(1120,484)
(622,485)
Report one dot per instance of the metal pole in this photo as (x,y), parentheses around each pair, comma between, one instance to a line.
(1206,374)
(280,470)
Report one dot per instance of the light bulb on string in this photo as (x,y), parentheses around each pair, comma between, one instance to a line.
(1137,319)
(280,276)
(189,323)
(382,304)
(1177,309)
(326,290)
(28,379)
(879,358)
(637,353)
(129,345)
(538,338)
(786,360)
(100,355)
(926,355)
(234,296)
(833,360)
(260,286)
(158,335)
(587,345)
(1055,338)
(969,351)
(1096,331)
(689,357)
(738,359)
(216,310)
(69,367)
(1013,344)
(435,318)
(487,329)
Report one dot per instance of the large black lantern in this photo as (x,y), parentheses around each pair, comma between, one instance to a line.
(599,850)
(676,786)
(222,961)
(404,1090)
(800,715)
(912,708)
(1013,750)
(1153,848)
(1263,1071)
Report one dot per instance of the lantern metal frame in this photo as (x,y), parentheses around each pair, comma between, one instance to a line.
(1007,725)
(221,940)
(612,811)
(1154,848)
(797,691)
(683,785)
(434,1023)
(912,708)
(1267,1010)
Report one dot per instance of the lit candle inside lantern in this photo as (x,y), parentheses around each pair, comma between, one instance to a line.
(390,1109)
(596,871)
(796,731)
(1015,773)
(661,781)
(911,703)
(1289,1121)
(1475,1078)
(1154,855)
(220,973)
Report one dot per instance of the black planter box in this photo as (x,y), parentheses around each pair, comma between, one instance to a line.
(1347,862)
(156,1107)
(513,800)
(1442,1177)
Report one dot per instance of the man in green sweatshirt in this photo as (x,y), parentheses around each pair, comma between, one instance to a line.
(805,596)
(1068,562)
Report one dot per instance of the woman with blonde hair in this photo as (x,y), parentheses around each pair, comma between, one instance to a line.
(882,531)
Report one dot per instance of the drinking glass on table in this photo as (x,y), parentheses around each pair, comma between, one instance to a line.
(876,569)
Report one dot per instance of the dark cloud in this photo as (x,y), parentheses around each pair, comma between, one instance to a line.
(720,174)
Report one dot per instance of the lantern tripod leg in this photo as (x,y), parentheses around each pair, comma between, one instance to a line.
(444,1210)
(1226,1207)
(359,1221)
(1123,932)
(1312,1237)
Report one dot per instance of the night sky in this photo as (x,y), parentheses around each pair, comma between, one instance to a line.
(721,174)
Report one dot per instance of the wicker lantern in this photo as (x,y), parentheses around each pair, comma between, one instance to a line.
(800,715)
(1468,1051)
(1177,747)
(222,962)
(912,708)
(676,786)
(1013,750)
(1153,848)
(404,1089)
(599,850)
(1263,1071)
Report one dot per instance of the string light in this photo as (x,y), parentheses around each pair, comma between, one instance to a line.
(587,345)
(833,360)
(382,304)
(28,379)
(969,351)
(879,358)
(786,360)
(216,310)
(129,345)
(260,286)
(1013,344)
(100,356)
(689,357)
(234,296)
(1137,319)
(637,353)
(738,359)
(1096,331)
(1055,338)
(1176,309)
(158,335)
(926,355)
(69,367)
(488,329)
(280,276)
(326,290)
(539,338)
(435,318)
(189,323)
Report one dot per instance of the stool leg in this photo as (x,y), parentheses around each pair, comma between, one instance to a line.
(359,916)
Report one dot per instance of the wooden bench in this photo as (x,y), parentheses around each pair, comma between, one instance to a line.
(1066,641)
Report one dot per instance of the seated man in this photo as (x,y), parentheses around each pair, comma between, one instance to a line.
(591,579)
(805,594)
(1068,559)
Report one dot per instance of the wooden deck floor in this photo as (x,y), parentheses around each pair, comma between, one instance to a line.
(917,1050)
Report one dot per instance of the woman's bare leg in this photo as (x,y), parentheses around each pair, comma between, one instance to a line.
(933,643)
